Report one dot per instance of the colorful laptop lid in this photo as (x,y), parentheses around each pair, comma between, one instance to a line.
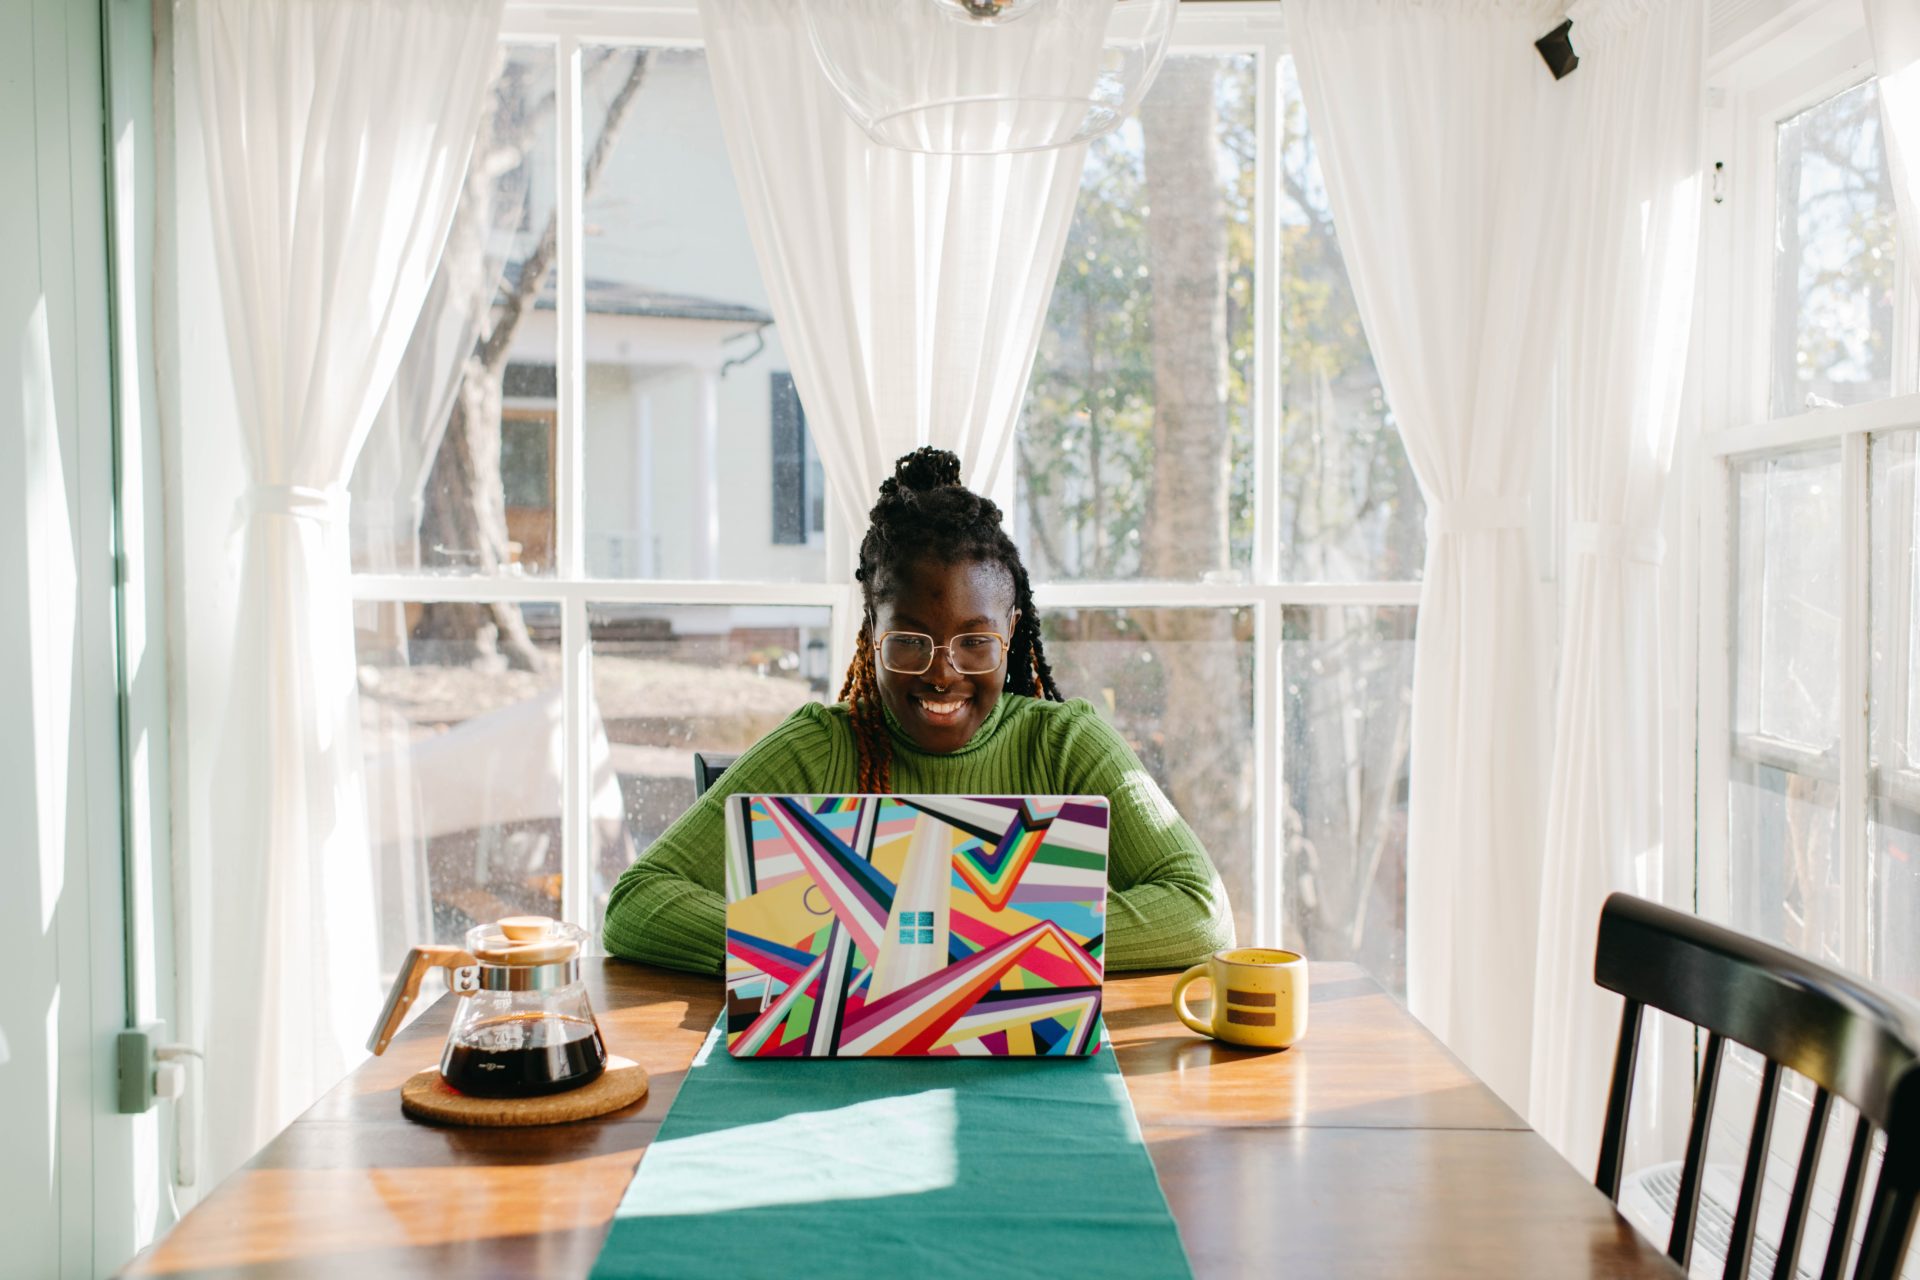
(879,926)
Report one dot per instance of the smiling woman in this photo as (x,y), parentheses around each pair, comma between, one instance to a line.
(950,693)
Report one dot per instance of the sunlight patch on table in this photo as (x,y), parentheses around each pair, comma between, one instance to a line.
(887,1147)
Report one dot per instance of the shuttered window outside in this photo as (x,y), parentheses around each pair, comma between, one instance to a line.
(799,481)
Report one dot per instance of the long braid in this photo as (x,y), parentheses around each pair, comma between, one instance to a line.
(861,693)
(924,512)
(1028,671)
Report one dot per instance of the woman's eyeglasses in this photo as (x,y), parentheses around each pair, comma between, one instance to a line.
(909,653)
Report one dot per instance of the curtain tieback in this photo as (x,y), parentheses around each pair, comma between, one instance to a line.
(1603,538)
(296,502)
(1476,514)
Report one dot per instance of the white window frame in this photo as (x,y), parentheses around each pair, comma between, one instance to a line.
(1238,26)
(1809,53)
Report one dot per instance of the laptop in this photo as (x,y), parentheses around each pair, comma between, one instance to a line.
(863,926)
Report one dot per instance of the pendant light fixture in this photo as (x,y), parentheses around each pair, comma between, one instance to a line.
(983,77)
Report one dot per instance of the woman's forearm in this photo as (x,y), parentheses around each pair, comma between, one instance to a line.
(1164,923)
(659,916)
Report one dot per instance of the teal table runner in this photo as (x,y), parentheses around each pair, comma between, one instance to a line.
(923,1167)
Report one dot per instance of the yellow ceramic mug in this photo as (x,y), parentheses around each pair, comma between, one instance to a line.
(1259,997)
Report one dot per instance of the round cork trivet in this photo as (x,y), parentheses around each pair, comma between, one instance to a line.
(426,1096)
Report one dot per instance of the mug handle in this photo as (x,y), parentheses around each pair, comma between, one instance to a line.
(1180,1007)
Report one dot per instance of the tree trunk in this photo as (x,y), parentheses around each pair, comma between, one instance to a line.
(1186,534)
(465,522)
(464,526)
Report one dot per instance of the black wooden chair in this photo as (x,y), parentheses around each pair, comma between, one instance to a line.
(1853,1040)
(707,768)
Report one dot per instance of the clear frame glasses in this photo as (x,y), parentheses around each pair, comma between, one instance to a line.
(910,653)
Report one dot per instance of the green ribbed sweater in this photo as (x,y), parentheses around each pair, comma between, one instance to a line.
(1165,902)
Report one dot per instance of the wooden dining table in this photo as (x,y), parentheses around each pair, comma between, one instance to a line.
(1365,1150)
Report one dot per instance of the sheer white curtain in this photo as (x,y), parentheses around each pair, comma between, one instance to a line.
(390,476)
(1439,132)
(335,135)
(909,289)
(1634,227)
(1894,26)
(388,491)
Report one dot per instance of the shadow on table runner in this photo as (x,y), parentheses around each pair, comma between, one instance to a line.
(918,1166)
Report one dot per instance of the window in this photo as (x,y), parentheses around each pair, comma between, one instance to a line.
(1834,280)
(1808,817)
(619,548)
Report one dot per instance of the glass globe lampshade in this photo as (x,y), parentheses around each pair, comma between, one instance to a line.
(982,77)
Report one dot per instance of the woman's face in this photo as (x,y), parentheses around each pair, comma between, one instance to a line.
(940,708)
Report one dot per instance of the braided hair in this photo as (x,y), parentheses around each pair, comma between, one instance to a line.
(925,513)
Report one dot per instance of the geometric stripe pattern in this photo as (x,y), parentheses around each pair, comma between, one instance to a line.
(874,926)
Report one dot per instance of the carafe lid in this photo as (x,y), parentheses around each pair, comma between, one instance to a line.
(525,940)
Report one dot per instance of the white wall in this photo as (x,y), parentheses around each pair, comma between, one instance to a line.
(79,1181)
(657,411)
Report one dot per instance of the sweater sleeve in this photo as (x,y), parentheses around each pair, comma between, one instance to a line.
(1166,904)
(669,908)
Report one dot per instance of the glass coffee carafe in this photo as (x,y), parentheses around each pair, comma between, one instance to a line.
(522,1025)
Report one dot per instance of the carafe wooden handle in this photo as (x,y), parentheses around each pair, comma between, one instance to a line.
(406,987)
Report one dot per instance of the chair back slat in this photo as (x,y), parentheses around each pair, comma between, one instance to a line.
(1855,1041)
(1740,1248)
(1613,1135)
(1841,1241)
(1794,1230)
(1686,1208)
(1889,1229)
(1896,1205)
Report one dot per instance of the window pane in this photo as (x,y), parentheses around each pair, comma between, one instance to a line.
(460,716)
(695,448)
(1894,731)
(1833,275)
(1134,456)
(1348,684)
(1350,508)
(1783,790)
(670,680)
(457,473)
(1178,685)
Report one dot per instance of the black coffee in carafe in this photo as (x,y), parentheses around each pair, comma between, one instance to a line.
(522,1023)
(524,1055)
